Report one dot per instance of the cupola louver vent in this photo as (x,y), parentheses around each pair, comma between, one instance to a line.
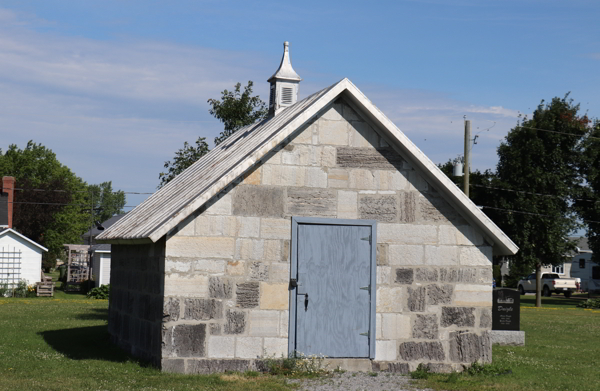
(287,95)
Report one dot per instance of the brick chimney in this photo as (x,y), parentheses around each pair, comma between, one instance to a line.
(6,203)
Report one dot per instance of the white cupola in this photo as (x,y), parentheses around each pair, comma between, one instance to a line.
(284,84)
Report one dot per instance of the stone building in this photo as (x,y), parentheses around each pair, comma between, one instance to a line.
(322,230)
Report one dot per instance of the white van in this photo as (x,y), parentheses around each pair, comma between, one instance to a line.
(589,272)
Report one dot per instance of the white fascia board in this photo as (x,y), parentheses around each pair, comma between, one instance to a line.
(503,245)
(256,156)
(22,237)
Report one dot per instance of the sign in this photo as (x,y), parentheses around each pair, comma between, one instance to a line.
(505,309)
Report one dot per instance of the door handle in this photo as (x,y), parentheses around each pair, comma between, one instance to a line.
(306,302)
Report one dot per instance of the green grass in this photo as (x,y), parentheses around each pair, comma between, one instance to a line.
(561,352)
(62,344)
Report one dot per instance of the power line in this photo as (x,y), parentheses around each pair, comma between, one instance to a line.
(60,204)
(71,191)
(528,213)
(531,193)
(557,132)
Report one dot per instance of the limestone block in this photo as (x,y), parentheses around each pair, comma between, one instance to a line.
(441,255)
(178,265)
(383,275)
(247,227)
(463,274)
(276,347)
(468,347)
(405,255)
(463,235)
(264,323)
(203,309)
(333,132)
(274,296)
(205,367)
(416,181)
(311,202)
(486,275)
(408,207)
(391,367)
(337,178)
(215,329)
(439,294)
(172,365)
(221,207)
(300,155)
(279,272)
(236,268)
(247,295)
(215,225)
(425,326)
(305,135)
(259,271)
(186,227)
(382,254)
(284,318)
(426,274)
(272,250)
(315,177)
(395,326)
(385,350)
(473,295)
(390,180)
(328,156)
(209,265)
(200,247)
(333,113)
(277,175)
(406,234)
(389,299)
(253,177)
(347,207)
(249,249)
(404,276)
(171,310)
(362,135)
(413,351)
(235,322)
(458,316)
(186,285)
(276,228)
(380,158)
(248,347)
(507,337)
(362,179)
(476,256)
(485,318)
(189,340)
(378,324)
(285,253)
(221,347)
(380,208)
(220,288)
(416,299)
(263,201)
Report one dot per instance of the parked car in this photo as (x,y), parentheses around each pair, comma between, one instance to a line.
(551,283)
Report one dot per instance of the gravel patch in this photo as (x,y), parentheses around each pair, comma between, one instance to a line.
(358,381)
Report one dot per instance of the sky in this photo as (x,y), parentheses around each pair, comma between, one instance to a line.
(114,88)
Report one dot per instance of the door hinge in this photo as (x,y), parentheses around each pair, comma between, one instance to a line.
(365,334)
(367,238)
(366,288)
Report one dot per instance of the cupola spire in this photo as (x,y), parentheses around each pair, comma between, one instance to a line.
(284,84)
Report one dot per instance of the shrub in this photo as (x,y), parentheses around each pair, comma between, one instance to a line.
(422,372)
(297,364)
(589,303)
(101,293)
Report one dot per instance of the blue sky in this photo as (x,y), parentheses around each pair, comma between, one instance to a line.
(114,88)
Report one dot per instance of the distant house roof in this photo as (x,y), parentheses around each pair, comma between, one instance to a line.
(100,248)
(187,192)
(105,224)
(582,244)
(10,231)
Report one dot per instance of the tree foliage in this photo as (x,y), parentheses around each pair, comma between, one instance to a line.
(237,109)
(105,201)
(184,158)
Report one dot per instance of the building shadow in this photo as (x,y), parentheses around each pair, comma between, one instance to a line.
(94,314)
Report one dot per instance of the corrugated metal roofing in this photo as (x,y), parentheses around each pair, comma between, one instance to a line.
(197,179)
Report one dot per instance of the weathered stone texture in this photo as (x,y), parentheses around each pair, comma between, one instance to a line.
(347,207)
(380,158)
(172,365)
(405,255)
(259,271)
(408,207)
(382,254)
(458,316)
(311,202)
(439,294)
(188,340)
(217,366)
(274,296)
(468,347)
(215,329)
(412,351)
(458,275)
(393,367)
(383,208)
(203,309)
(264,323)
(425,326)
(220,288)
(404,276)
(247,294)
(426,274)
(416,299)
(235,322)
(171,310)
(260,201)
(485,318)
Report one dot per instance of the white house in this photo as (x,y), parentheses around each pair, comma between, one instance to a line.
(20,258)
(100,255)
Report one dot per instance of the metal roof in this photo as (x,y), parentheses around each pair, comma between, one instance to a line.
(196,185)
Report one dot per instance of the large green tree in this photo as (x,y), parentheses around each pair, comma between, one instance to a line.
(235,110)
(105,201)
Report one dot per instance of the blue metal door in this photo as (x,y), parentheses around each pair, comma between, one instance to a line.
(335,290)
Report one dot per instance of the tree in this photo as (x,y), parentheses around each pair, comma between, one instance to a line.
(184,158)
(237,109)
(105,201)
(541,167)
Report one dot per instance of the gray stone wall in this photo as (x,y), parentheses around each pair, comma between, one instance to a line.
(136,299)
(227,267)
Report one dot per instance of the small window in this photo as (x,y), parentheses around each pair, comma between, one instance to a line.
(596,273)
(560,269)
(582,263)
(286,95)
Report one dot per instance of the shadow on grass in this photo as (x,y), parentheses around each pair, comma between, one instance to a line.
(554,301)
(85,343)
(94,314)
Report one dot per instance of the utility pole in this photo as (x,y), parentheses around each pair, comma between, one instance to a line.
(467,152)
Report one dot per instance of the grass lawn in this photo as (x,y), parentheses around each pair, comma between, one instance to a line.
(561,352)
(62,344)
